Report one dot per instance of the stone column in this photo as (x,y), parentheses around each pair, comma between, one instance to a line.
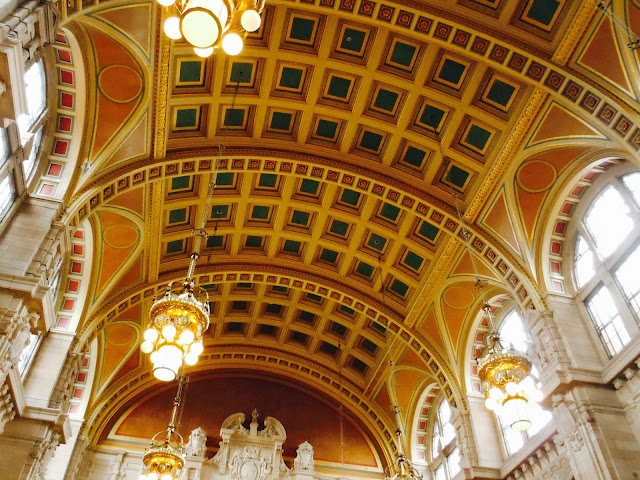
(628,387)
(480,454)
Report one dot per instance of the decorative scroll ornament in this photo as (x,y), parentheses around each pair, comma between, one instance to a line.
(507,384)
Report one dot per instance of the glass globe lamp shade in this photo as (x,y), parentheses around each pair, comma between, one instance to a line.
(196,348)
(146,347)
(167,363)
(153,476)
(203,52)
(203,22)
(172,28)
(169,332)
(186,337)
(151,335)
(166,3)
(232,44)
(515,413)
(250,20)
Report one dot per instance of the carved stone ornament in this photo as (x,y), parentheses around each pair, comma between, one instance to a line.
(304,458)
(197,445)
(250,464)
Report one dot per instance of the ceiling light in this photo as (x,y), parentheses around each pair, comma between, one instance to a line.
(507,384)
(178,319)
(206,24)
(164,459)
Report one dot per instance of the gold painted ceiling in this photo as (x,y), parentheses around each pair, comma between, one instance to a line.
(343,140)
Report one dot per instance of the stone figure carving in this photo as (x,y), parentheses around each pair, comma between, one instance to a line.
(272,428)
(235,422)
(197,445)
(250,464)
(304,458)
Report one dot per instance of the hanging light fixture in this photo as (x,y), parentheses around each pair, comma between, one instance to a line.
(178,320)
(164,459)
(403,469)
(207,24)
(507,384)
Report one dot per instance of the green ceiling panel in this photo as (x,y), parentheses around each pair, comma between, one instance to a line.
(414,156)
(302,29)
(403,54)
(352,40)
(253,241)
(291,77)
(260,212)
(268,180)
(326,129)
(390,212)
(281,121)
(386,100)
(234,117)
(186,118)
(339,228)
(190,71)
(451,71)
(241,72)
(371,140)
(501,92)
(175,246)
(178,216)
(339,87)
(429,231)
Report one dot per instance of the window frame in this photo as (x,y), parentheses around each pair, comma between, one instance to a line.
(444,451)
(13,166)
(604,267)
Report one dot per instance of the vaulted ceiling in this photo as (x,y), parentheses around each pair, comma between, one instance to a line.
(347,141)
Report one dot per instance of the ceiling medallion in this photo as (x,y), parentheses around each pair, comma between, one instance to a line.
(507,384)
(178,320)
(207,24)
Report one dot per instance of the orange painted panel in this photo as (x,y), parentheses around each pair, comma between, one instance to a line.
(499,221)
(467,266)
(304,413)
(429,327)
(456,301)
(560,124)
(127,19)
(602,56)
(135,145)
(119,238)
(131,199)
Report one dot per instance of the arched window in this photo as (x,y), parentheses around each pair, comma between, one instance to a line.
(445,454)
(35,87)
(607,259)
(512,332)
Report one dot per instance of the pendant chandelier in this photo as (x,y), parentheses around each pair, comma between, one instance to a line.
(178,320)
(403,469)
(507,384)
(207,24)
(164,459)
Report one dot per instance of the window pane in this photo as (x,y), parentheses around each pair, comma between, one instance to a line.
(607,319)
(539,418)
(512,331)
(629,279)
(632,182)
(608,221)
(584,262)
(6,194)
(36,90)
(453,462)
(4,146)
(29,163)
(435,442)
(27,354)
(444,412)
(512,439)
(440,473)
(448,433)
